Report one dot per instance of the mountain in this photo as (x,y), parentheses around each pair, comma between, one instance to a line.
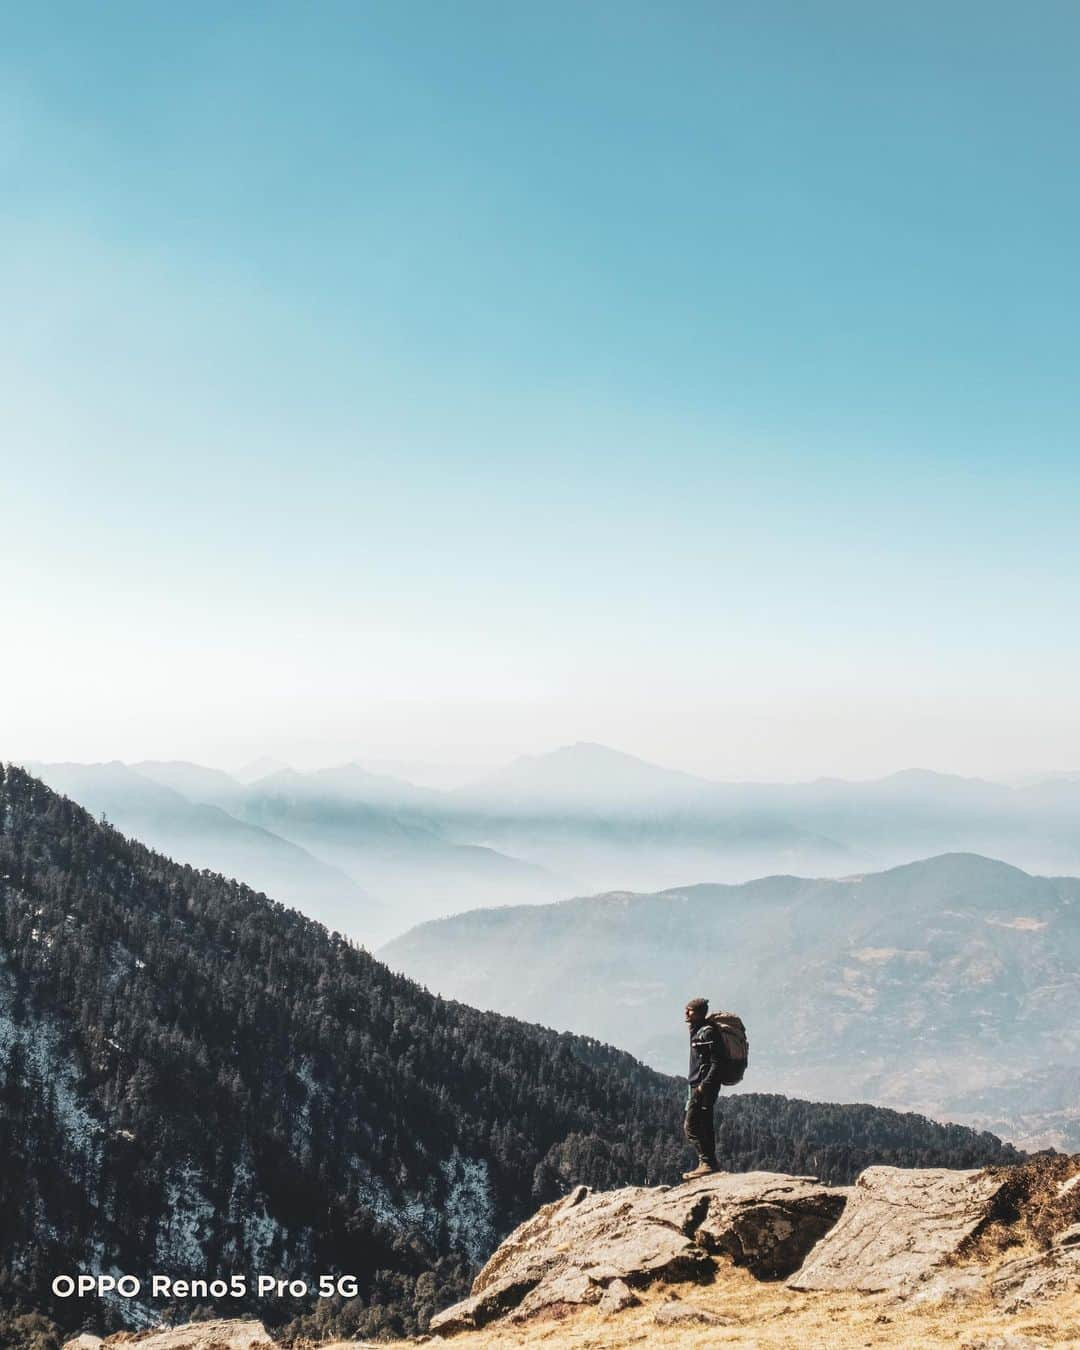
(586,777)
(193,781)
(346,783)
(671,828)
(205,835)
(389,836)
(917,812)
(1038,1108)
(385,834)
(601,817)
(586,819)
(196,1080)
(591,776)
(925,985)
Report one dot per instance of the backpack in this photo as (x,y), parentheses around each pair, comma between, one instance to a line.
(734,1046)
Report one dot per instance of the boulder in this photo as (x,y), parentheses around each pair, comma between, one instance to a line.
(617,1297)
(577,1250)
(899,1229)
(679,1314)
(767,1225)
(84,1341)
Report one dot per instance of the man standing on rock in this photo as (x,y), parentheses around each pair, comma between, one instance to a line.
(703,1087)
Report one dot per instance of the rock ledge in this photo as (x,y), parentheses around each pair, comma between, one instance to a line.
(588,1248)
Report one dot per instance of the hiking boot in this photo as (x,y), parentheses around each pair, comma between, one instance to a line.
(703,1169)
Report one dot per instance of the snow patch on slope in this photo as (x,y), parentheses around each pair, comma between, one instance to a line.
(248,1211)
(470,1206)
(401,1213)
(464,1215)
(188,1221)
(133,1313)
(51,1066)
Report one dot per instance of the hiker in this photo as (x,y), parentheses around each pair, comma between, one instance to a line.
(703,1086)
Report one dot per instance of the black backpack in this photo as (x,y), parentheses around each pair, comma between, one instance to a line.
(733,1045)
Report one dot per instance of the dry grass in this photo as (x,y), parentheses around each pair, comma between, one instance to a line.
(773,1317)
(1035,1204)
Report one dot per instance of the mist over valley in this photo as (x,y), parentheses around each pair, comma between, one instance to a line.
(372,854)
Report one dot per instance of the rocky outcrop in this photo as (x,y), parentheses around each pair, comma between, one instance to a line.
(910,1236)
(585,1246)
(900,1230)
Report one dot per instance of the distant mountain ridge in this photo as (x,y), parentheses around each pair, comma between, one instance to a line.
(346,783)
(731,831)
(586,775)
(580,820)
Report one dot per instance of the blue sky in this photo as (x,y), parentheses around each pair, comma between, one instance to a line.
(464,379)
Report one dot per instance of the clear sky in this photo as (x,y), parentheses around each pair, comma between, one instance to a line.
(464,379)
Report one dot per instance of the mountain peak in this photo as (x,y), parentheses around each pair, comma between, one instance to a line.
(586,774)
(968,867)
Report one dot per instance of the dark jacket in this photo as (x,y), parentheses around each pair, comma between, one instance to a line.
(705,1052)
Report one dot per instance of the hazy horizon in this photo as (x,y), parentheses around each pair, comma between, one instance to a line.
(430,771)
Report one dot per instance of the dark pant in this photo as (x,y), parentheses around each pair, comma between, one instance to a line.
(699,1127)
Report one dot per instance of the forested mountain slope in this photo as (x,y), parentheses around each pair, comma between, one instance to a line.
(196,1080)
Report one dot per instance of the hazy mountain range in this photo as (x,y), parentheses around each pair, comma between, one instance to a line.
(949,985)
(307,839)
(186,823)
(373,853)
